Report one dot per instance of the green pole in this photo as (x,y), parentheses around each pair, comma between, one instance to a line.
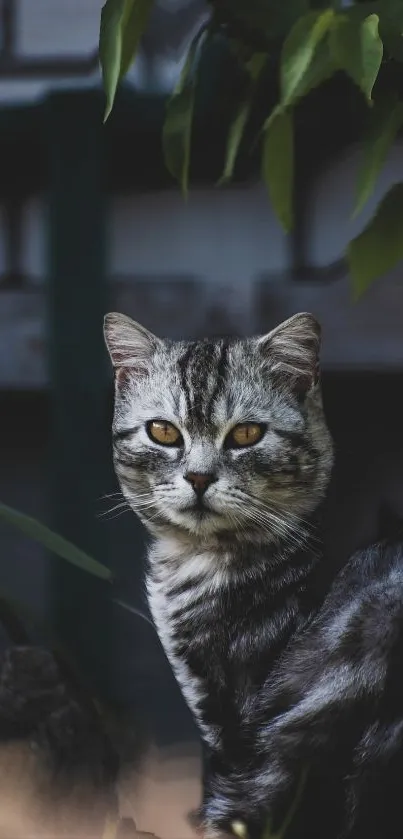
(77,295)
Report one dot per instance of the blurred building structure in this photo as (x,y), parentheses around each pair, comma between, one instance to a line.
(89,221)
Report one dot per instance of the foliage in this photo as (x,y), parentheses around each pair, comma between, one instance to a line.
(122,25)
(62,548)
(178,124)
(308,41)
(380,246)
(53,542)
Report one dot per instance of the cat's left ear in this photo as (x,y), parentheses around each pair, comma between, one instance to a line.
(292,349)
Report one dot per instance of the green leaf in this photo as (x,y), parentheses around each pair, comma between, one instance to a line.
(53,542)
(177,129)
(358,50)
(110,49)
(137,14)
(254,68)
(255,65)
(321,68)
(278,165)
(234,140)
(176,135)
(122,25)
(299,50)
(387,119)
(380,245)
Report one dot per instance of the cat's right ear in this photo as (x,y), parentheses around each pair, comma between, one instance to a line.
(130,345)
(291,351)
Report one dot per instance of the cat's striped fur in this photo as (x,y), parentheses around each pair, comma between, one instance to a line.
(262,664)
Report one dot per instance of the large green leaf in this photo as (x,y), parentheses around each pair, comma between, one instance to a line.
(177,129)
(278,165)
(110,48)
(380,245)
(135,21)
(390,13)
(299,50)
(53,542)
(321,68)
(358,50)
(387,118)
(122,25)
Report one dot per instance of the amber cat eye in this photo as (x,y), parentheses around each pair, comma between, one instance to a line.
(245,434)
(164,432)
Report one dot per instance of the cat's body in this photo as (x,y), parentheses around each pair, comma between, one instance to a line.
(332,705)
(223,450)
(222,632)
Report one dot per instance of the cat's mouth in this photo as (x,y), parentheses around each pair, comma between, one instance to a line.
(199,508)
(200,518)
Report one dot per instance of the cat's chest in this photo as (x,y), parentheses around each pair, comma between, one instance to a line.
(184,598)
(220,637)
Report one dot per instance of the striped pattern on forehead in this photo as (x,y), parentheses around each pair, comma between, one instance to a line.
(202,370)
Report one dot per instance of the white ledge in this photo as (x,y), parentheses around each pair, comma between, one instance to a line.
(367,335)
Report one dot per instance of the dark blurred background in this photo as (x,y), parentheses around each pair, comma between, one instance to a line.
(90,221)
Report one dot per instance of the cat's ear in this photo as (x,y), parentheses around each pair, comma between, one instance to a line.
(292,349)
(129,344)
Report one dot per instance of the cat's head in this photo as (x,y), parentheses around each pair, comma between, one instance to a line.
(220,437)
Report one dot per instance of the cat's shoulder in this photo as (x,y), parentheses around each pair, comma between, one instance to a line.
(365,603)
(378,564)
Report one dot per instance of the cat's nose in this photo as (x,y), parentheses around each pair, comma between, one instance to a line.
(200,481)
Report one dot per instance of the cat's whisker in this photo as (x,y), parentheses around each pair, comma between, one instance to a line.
(290,527)
(269,526)
(108,517)
(271,521)
(109,495)
(148,494)
(299,522)
(121,507)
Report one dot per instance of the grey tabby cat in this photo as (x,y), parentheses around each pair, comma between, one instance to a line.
(222,449)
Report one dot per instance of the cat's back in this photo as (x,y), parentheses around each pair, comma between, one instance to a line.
(379,563)
(338,695)
(363,637)
(356,637)
(364,607)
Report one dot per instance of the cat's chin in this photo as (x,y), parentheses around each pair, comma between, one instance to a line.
(200,522)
